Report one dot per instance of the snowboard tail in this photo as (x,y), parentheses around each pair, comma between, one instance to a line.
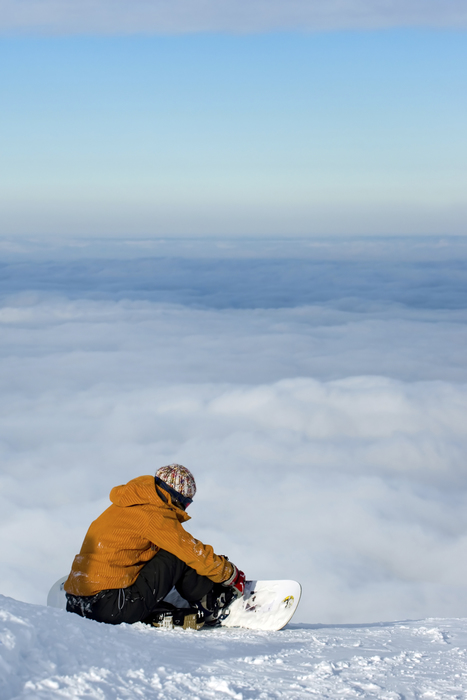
(56,597)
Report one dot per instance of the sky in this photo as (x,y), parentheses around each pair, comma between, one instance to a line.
(236,16)
(236,240)
(161,128)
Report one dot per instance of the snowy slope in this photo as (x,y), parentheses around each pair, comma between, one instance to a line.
(47,653)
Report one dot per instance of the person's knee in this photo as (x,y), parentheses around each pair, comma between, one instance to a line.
(166,566)
(164,556)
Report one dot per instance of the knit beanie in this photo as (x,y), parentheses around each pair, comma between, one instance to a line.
(179,478)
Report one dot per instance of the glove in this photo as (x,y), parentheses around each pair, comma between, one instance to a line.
(236,581)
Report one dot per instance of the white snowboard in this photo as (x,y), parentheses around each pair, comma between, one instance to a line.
(265,605)
(57,596)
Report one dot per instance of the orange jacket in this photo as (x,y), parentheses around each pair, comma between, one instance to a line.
(129,533)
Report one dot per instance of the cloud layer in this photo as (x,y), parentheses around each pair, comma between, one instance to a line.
(351,285)
(321,406)
(356,487)
(184,16)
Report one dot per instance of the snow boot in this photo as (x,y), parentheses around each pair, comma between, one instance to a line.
(168,616)
(214,606)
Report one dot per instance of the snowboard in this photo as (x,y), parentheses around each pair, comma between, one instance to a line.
(56,597)
(265,605)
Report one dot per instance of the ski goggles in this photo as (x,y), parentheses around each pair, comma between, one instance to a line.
(183,500)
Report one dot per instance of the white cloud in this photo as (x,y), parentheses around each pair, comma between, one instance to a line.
(353,485)
(181,16)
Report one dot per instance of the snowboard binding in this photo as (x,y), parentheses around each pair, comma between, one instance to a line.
(170,617)
(215,605)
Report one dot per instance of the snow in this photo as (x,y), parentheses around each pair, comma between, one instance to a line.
(47,653)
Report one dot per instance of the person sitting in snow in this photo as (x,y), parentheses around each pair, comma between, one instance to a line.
(137,551)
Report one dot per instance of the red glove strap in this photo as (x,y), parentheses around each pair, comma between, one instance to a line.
(239,582)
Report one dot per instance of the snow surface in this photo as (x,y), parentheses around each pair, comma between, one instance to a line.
(48,653)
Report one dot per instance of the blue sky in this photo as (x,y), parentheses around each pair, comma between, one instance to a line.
(273,134)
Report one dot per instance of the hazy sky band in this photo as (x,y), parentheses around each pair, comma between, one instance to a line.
(283,134)
(236,16)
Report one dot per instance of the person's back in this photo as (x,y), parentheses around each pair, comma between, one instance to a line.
(137,551)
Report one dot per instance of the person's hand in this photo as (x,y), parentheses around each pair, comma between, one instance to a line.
(236,581)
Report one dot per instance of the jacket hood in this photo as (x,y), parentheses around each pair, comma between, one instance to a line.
(142,491)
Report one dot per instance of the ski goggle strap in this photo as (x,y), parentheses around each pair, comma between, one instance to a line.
(184,500)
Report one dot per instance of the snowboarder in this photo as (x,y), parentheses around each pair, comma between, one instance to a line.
(137,551)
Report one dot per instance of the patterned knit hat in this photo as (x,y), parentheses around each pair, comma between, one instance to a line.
(179,478)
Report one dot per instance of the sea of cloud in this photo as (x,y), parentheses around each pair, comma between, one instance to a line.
(320,403)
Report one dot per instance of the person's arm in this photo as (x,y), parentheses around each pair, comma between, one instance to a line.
(165,531)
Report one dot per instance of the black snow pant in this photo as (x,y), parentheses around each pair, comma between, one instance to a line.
(135,603)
